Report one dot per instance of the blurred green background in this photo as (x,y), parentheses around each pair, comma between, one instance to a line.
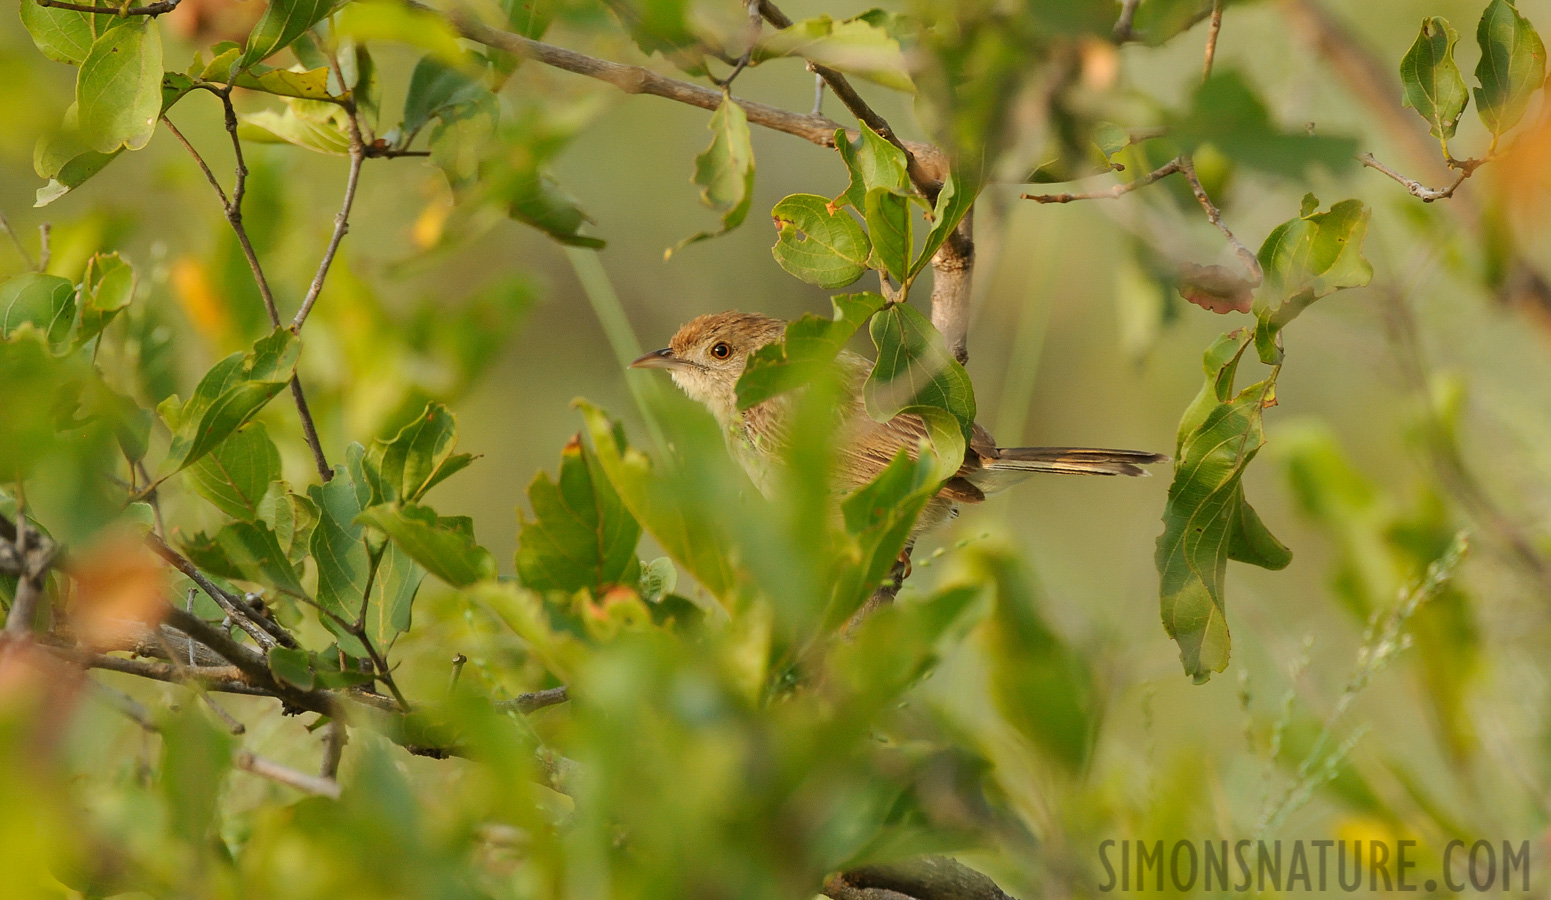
(1071,343)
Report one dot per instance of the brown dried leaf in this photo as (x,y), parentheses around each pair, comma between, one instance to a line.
(1215,288)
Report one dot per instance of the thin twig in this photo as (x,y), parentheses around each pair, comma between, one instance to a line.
(756,23)
(818,93)
(5,225)
(154,9)
(203,167)
(45,231)
(131,708)
(1214,215)
(229,603)
(264,768)
(341,226)
(1417,189)
(1212,31)
(1114,193)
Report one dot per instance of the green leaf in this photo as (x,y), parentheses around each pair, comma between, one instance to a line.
(380,20)
(953,203)
(196,755)
(230,394)
(293,667)
(417,458)
(443,545)
(1227,114)
(854,46)
(809,348)
(108,289)
(888,225)
(1433,85)
(916,373)
(236,474)
(64,157)
(1206,520)
(581,536)
(1305,259)
(249,551)
(878,517)
(817,243)
(283,22)
(118,92)
(314,124)
(435,87)
(1040,684)
(691,541)
(64,35)
(1512,66)
(537,200)
(872,162)
(291,517)
(46,302)
(725,171)
(339,550)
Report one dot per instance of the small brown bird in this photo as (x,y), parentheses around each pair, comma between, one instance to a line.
(707,356)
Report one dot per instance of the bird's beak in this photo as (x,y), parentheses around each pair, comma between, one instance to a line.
(658,359)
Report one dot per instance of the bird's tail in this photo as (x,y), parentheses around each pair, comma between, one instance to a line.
(1074,460)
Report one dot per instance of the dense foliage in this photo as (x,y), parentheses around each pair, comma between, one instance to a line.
(687,687)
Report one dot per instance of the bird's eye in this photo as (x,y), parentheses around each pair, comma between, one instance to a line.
(721,350)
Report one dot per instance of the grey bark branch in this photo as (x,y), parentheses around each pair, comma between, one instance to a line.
(1417,189)
(307,784)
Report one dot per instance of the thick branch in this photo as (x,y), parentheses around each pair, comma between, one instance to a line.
(534,700)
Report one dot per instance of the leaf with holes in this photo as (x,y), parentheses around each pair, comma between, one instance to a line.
(581,536)
(818,243)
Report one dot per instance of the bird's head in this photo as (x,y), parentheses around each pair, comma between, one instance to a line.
(707,356)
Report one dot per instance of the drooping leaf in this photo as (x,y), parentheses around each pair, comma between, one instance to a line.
(416,459)
(108,288)
(1433,85)
(314,124)
(916,373)
(725,171)
(444,545)
(953,203)
(118,91)
(283,22)
(873,162)
(236,474)
(810,345)
(65,159)
(819,244)
(581,536)
(889,227)
(47,302)
(855,46)
(196,755)
(663,26)
(1512,66)
(1227,114)
(1305,259)
(1206,520)
(230,394)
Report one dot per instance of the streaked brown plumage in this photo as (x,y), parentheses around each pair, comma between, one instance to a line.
(706,358)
